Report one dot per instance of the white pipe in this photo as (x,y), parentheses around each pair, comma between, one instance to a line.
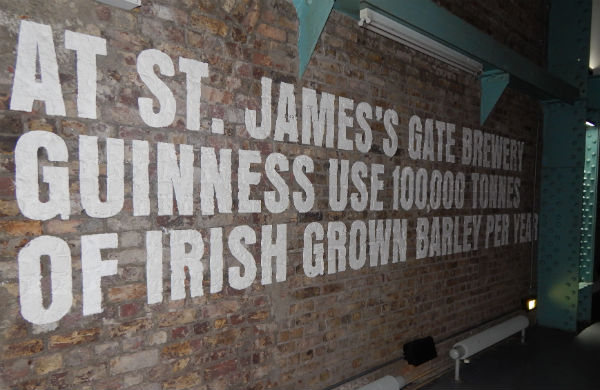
(388,382)
(488,337)
(457,370)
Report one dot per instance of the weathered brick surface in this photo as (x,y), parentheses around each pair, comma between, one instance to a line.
(126,293)
(301,333)
(22,349)
(135,361)
(75,338)
(21,228)
(188,381)
(49,363)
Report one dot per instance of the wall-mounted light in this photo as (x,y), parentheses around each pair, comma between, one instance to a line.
(589,124)
(529,303)
(125,4)
(383,25)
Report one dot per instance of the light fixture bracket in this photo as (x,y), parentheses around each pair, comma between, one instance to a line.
(124,4)
(388,27)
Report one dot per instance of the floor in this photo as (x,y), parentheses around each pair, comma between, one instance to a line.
(549,359)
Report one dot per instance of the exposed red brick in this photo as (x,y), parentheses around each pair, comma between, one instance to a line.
(221,369)
(129,309)
(179,332)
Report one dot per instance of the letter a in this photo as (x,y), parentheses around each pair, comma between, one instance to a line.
(36,40)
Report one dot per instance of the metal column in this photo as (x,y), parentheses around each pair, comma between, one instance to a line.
(563,155)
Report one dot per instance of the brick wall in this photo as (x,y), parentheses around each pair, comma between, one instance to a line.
(304,332)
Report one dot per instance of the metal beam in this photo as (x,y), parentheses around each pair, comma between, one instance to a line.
(436,22)
(312,15)
(348,7)
(493,84)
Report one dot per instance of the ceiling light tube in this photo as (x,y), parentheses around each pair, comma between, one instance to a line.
(390,28)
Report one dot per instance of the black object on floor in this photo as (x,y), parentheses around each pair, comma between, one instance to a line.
(549,359)
(419,351)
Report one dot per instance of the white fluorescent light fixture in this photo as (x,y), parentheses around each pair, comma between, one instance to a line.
(124,4)
(383,25)
(589,124)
